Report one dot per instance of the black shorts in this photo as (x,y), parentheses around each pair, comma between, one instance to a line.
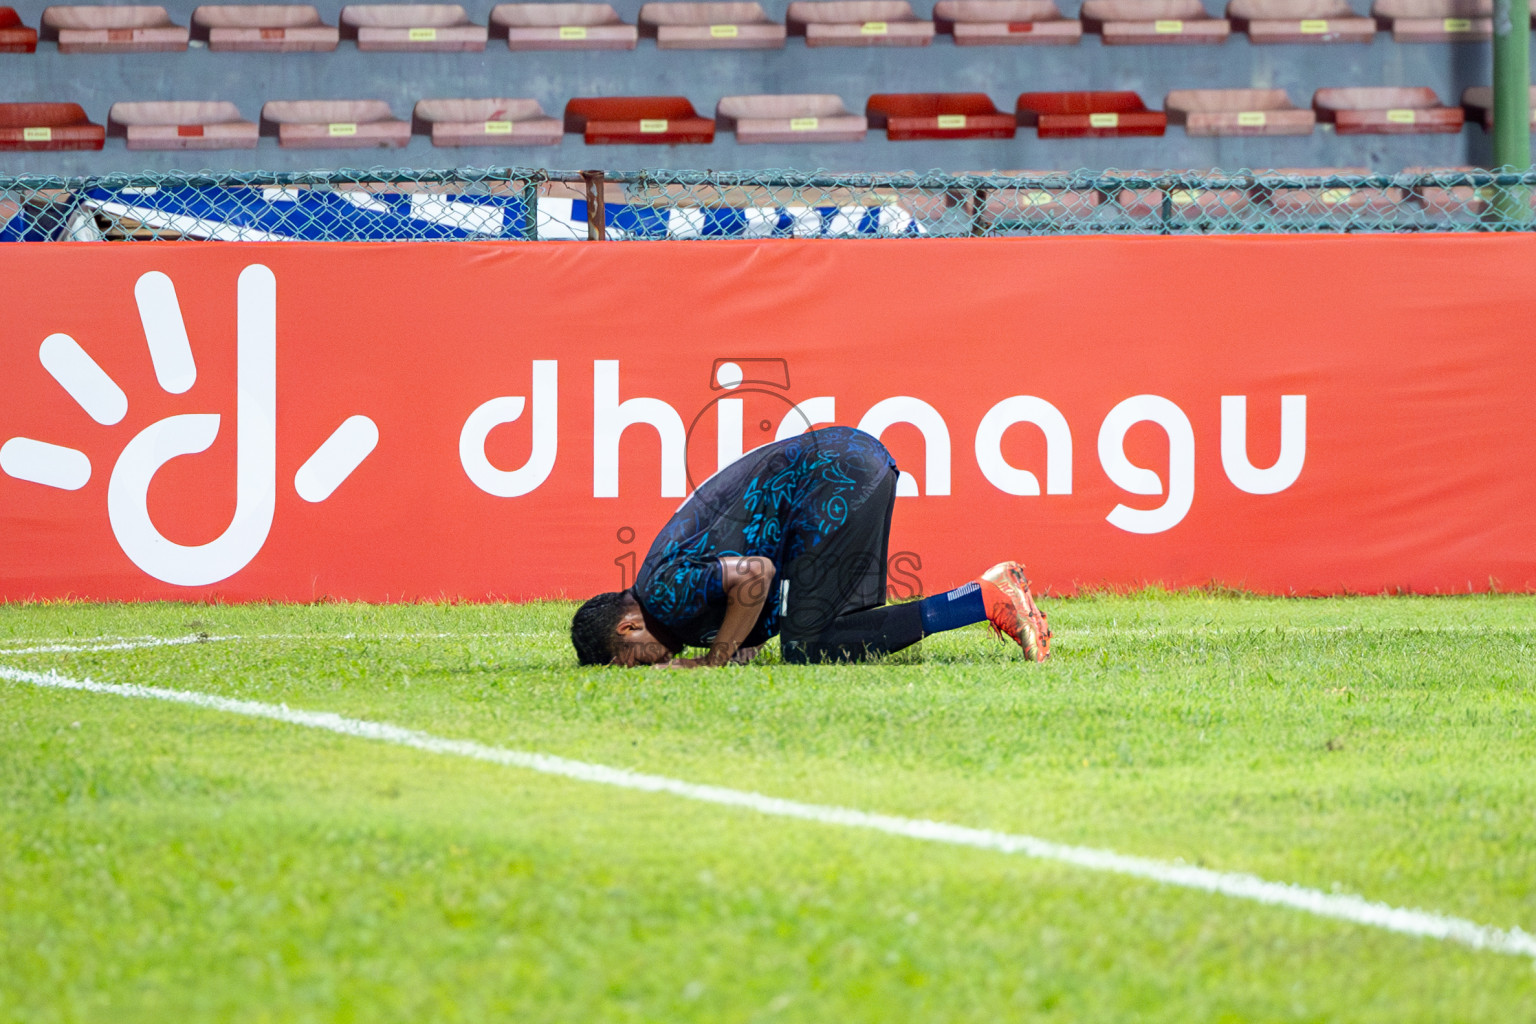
(846,573)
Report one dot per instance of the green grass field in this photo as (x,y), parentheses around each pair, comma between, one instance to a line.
(169,863)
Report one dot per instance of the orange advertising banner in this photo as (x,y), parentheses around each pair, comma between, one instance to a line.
(385,422)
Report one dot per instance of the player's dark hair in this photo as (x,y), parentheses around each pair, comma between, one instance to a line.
(595,628)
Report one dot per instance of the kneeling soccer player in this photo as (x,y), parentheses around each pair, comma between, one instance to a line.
(790,540)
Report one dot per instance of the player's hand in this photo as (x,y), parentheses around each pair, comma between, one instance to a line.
(714,660)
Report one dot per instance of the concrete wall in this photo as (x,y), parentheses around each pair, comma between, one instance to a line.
(96,81)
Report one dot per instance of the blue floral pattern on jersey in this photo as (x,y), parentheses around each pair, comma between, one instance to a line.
(778,501)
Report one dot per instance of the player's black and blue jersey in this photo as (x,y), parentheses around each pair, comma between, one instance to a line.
(784,501)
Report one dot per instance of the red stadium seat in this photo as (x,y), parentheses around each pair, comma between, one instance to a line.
(637,119)
(1237,112)
(908,116)
(266,28)
(1385,111)
(182,125)
(1006,23)
(336,124)
(1180,203)
(431,27)
(1452,200)
(1065,115)
(100,29)
(790,118)
(710,26)
(1039,204)
(488,122)
(51,126)
(1344,202)
(1477,104)
(1435,21)
(858,23)
(14,36)
(1122,22)
(1300,21)
(562,27)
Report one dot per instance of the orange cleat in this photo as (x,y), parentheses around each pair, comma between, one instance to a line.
(1012,610)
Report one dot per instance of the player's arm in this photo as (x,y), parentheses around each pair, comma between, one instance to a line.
(748,580)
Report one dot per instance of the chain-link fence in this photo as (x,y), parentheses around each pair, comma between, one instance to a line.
(528,204)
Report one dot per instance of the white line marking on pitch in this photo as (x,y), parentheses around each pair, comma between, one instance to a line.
(1339,906)
(129,643)
(138,643)
(109,645)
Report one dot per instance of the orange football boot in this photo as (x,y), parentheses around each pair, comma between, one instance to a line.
(1012,611)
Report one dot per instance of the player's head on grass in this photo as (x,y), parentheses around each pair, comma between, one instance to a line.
(610,629)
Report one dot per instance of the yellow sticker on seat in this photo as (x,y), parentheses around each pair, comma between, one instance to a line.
(1171,26)
(573,32)
(423,35)
(341,128)
(874,28)
(1458,24)
(723,32)
(1104,120)
(1314,27)
(1401,116)
(654,126)
(1251,119)
(1036,199)
(951,120)
(804,124)
(1183,197)
(37,135)
(498,127)
(1332,196)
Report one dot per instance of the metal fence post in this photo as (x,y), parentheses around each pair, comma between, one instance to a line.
(597,210)
(1512,104)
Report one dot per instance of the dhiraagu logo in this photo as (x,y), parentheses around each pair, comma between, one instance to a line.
(170,351)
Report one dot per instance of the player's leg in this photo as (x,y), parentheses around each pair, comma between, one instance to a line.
(833,596)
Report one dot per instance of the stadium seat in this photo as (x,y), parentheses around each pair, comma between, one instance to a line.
(908,116)
(14,36)
(266,28)
(1300,21)
(1122,22)
(1179,203)
(335,124)
(710,26)
(562,27)
(1326,201)
(53,126)
(488,122)
(1065,115)
(1038,204)
(790,118)
(1006,209)
(100,29)
(182,125)
(1435,21)
(1237,112)
(1477,104)
(437,27)
(1452,200)
(637,119)
(1006,23)
(858,23)
(1385,111)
